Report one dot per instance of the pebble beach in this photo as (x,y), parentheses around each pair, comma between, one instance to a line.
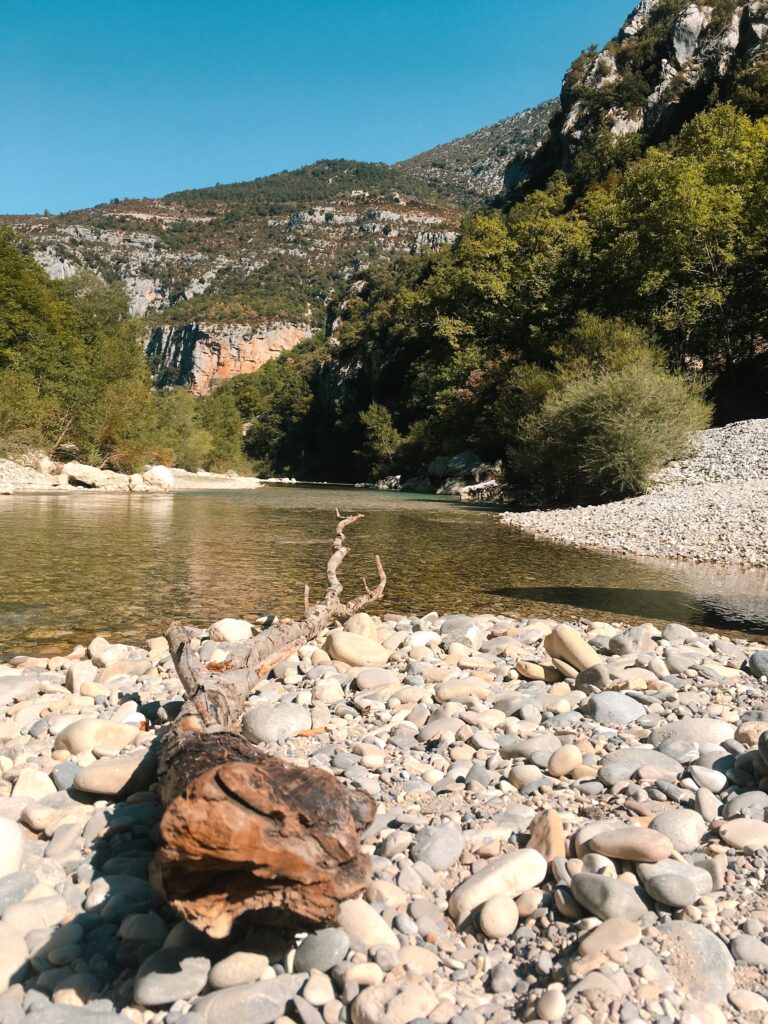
(710,507)
(571,825)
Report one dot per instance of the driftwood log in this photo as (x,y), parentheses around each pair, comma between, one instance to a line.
(242,830)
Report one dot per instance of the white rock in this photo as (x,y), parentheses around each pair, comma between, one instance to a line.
(230,631)
(509,875)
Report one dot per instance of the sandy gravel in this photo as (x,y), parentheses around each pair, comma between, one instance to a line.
(712,507)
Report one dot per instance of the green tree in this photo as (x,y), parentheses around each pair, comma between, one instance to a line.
(381,439)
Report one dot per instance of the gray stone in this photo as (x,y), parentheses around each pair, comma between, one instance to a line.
(170,974)
(63,775)
(622,764)
(695,730)
(698,961)
(672,890)
(684,828)
(14,887)
(275,723)
(259,1003)
(59,1014)
(322,950)
(597,677)
(613,709)
(750,950)
(606,897)
(699,877)
(439,846)
(758,663)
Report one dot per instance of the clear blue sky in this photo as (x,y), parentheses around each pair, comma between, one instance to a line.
(104,98)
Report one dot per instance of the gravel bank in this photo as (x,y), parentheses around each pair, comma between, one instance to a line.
(572,825)
(711,507)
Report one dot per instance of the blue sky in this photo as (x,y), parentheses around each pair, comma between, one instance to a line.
(105,98)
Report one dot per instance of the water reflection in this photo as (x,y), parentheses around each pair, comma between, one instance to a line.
(125,565)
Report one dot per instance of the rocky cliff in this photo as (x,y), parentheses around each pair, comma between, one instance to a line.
(666,64)
(198,355)
(477,167)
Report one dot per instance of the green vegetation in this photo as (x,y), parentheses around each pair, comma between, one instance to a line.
(605,422)
(316,183)
(488,345)
(74,380)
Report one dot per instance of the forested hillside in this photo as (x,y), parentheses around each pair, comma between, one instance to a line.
(637,295)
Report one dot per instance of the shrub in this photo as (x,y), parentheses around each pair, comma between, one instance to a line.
(601,438)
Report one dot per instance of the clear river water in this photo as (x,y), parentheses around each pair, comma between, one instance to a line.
(124,566)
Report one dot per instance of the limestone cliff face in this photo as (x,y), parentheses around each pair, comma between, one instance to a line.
(197,355)
(659,71)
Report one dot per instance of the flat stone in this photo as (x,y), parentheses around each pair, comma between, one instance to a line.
(88,733)
(698,877)
(683,827)
(45,912)
(622,764)
(463,691)
(694,730)
(239,968)
(698,961)
(276,723)
(355,650)
(322,950)
(613,708)
(374,678)
(259,1003)
(606,897)
(750,950)
(113,776)
(747,834)
(364,927)
(439,846)
(510,875)
(615,934)
(635,844)
(672,890)
(170,974)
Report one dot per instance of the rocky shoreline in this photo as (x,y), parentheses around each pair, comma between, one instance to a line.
(43,476)
(572,824)
(710,507)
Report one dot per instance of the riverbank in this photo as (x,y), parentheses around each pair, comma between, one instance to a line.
(711,507)
(47,477)
(570,826)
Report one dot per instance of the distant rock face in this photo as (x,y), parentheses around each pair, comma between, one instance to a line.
(479,166)
(196,355)
(691,49)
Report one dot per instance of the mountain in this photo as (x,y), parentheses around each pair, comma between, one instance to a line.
(229,276)
(480,166)
(669,61)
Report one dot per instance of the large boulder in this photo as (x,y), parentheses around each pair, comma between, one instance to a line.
(159,478)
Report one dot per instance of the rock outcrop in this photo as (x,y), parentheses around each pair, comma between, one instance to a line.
(198,354)
(659,71)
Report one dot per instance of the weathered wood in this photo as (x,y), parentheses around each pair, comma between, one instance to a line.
(241,830)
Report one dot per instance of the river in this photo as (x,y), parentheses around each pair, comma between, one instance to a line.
(124,566)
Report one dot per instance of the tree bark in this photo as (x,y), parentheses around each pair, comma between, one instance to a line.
(242,830)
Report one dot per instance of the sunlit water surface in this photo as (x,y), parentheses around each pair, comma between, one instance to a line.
(124,566)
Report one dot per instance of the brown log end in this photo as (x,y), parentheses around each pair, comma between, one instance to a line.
(244,836)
